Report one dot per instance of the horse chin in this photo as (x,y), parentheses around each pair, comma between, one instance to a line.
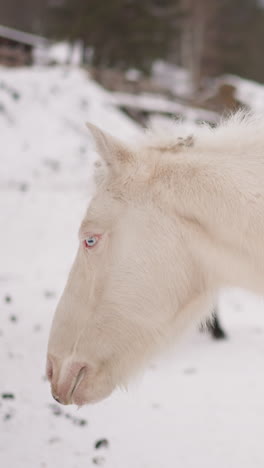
(82,400)
(86,394)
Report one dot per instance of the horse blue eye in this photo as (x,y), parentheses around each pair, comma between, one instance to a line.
(90,241)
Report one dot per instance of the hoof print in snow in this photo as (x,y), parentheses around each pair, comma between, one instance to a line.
(55,410)
(98,461)
(7,416)
(23,187)
(101,443)
(13,318)
(8,299)
(52,164)
(49,294)
(189,371)
(82,149)
(79,422)
(15,95)
(54,440)
(76,421)
(8,396)
(155,405)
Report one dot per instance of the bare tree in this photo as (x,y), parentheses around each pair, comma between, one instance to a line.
(197,15)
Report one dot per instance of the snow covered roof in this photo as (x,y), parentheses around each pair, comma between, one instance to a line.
(24,38)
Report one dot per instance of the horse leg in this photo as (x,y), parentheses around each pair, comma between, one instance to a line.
(214,327)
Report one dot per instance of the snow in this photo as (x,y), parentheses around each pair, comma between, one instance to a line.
(62,53)
(160,105)
(172,77)
(42,121)
(200,405)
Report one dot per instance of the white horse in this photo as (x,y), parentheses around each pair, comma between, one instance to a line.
(174,218)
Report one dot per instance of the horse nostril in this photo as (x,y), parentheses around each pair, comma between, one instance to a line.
(65,376)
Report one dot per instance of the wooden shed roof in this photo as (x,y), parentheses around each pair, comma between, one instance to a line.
(22,37)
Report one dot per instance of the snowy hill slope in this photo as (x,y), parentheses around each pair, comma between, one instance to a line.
(201,407)
(42,123)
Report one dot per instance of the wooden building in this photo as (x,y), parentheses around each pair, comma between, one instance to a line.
(17,47)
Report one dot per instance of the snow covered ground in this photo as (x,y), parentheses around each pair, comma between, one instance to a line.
(200,406)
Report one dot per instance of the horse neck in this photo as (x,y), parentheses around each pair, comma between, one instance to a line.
(223,213)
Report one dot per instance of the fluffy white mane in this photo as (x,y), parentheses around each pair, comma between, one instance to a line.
(239,132)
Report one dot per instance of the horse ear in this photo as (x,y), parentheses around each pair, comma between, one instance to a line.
(111,149)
